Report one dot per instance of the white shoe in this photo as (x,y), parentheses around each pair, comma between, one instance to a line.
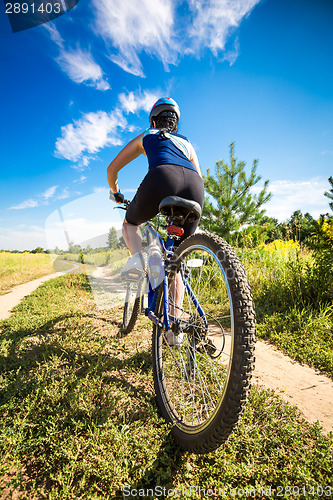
(172,339)
(134,267)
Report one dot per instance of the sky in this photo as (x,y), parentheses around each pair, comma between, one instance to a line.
(75,90)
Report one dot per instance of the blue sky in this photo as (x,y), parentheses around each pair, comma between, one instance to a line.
(75,90)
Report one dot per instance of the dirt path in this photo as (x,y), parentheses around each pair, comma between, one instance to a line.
(299,385)
(12,298)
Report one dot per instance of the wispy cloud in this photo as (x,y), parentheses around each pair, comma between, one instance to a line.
(31,203)
(288,196)
(133,102)
(80,66)
(42,198)
(89,134)
(54,34)
(64,194)
(93,131)
(81,180)
(167,30)
(49,193)
(131,27)
(213,21)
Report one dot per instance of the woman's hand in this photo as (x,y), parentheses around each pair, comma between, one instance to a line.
(117,197)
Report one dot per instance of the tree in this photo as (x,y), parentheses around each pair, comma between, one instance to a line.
(38,250)
(235,205)
(73,248)
(299,226)
(122,243)
(112,239)
(329,193)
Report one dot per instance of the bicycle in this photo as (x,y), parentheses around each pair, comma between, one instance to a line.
(202,369)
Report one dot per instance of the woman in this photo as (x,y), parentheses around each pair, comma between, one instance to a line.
(173,171)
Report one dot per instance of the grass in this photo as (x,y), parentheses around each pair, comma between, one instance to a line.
(304,334)
(290,311)
(110,257)
(79,418)
(18,268)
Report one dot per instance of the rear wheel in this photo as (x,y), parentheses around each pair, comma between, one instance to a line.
(202,381)
(132,305)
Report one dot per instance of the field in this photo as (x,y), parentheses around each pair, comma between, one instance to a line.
(17,268)
(79,418)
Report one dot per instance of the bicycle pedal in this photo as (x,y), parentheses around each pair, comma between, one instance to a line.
(132,276)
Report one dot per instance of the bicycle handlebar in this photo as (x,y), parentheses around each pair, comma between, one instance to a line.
(125,203)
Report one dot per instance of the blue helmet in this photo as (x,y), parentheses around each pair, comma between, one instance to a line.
(164,104)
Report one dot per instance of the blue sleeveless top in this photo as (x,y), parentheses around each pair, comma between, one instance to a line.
(167,148)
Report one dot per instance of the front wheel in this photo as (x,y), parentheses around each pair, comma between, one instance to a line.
(203,378)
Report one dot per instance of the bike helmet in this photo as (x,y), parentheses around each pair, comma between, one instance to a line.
(164,104)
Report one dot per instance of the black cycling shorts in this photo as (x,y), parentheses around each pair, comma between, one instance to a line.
(162,181)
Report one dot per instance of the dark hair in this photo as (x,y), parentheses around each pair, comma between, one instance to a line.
(167,120)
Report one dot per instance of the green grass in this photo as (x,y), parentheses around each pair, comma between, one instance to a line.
(18,268)
(304,334)
(79,418)
(291,311)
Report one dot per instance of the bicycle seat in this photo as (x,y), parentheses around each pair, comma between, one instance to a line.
(175,206)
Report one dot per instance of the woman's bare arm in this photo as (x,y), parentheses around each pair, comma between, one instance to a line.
(131,151)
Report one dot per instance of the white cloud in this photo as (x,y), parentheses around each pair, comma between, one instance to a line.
(81,180)
(89,134)
(82,163)
(288,196)
(49,193)
(25,204)
(43,198)
(54,34)
(232,54)
(213,21)
(64,194)
(132,27)
(80,66)
(137,101)
(167,30)
(94,131)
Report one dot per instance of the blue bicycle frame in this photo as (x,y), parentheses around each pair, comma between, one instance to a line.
(166,246)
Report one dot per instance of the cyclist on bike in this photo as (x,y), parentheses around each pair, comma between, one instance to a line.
(173,171)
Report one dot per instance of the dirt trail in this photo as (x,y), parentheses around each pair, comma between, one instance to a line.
(299,385)
(12,298)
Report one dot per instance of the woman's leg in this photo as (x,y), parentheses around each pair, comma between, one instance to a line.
(132,237)
(176,295)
